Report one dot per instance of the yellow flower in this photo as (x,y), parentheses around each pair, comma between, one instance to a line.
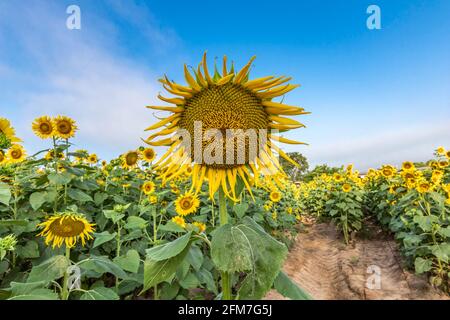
(153,199)
(66,228)
(447,154)
(346,187)
(227,102)
(408,165)
(179,221)
(388,171)
(16,154)
(423,187)
(8,131)
(51,155)
(443,164)
(126,185)
(148,187)
(338,177)
(148,154)
(274,215)
(92,158)
(275,196)
(289,210)
(349,168)
(2,157)
(201,226)
(440,150)
(130,159)
(65,127)
(186,204)
(43,127)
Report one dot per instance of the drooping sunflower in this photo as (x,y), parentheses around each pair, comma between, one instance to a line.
(148,187)
(186,204)
(16,154)
(8,131)
(232,107)
(43,127)
(66,228)
(64,127)
(92,158)
(200,226)
(148,154)
(130,159)
(275,196)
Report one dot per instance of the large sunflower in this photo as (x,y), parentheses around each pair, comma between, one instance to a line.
(66,228)
(231,105)
(64,127)
(7,131)
(16,154)
(43,127)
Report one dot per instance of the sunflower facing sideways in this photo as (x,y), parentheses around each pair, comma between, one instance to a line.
(225,102)
(66,228)
(43,127)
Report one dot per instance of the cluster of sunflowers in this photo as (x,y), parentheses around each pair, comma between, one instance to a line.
(11,151)
(121,222)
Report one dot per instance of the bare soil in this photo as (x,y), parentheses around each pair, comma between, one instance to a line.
(327,269)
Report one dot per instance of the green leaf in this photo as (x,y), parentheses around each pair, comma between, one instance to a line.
(195,257)
(100,293)
(156,272)
(129,262)
(422,265)
(240,209)
(101,238)
(60,178)
(441,251)
(169,250)
(289,289)
(37,199)
(13,223)
(5,194)
(79,195)
(247,247)
(30,250)
(99,198)
(113,215)
(38,294)
(190,281)
(20,288)
(445,232)
(206,277)
(425,222)
(134,222)
(101,264)
(49,270)
(171,226)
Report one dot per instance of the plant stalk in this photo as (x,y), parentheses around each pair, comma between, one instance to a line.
(223,217)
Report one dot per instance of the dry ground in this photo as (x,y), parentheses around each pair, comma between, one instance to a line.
(327,269)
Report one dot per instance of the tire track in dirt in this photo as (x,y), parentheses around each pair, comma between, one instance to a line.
(327,269)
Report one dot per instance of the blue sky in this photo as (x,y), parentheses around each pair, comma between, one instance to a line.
(376,96)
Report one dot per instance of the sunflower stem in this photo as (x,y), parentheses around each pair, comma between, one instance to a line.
(55,158)
(118,251)
(223,217)
(65,290)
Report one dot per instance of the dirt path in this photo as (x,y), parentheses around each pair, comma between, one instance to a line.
(321,264)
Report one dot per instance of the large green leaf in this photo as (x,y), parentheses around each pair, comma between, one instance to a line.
(49,270)
(134,222)
(20,288)
(169,250)
(156,272)
(5,194)
(38,294)
(37,199)
(100,293)
(60,178)
(13,223)
(102,264)
(29,250)
(441,251)
(240,209)
(129,262)
(422,265)
(285,286)
(247,247)
(101,238)
(79,195)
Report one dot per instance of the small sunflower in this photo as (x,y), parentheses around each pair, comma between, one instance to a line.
(423,187)
(231,104)
(153,199)
(2,157)
(92,158)
(200,226)
(8,131)
(43,127)
(64,127)
(346,187)
(443,164)
(407,166)
(388,171)
(66,228)
(275,196)
(51,155)
(16,154)
(179,221)
(148,154)
(338,177)
(186,204)
(130,159)
(447,154)
(148,187)
(440,150)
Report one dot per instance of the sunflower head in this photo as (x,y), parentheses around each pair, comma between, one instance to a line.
(186,204)
(64,127)
(388,171)
(440,150)
(66,228)
(51,155)
(338,177)
(275,196)
(7,134)
(43,127)
(201,227)
(346,187)
(407,166)
(16,154)
(223,125)
(148,154)
(179,221)
(92,158)
(423,187)
(148,187)
(130,159)
(2,157)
